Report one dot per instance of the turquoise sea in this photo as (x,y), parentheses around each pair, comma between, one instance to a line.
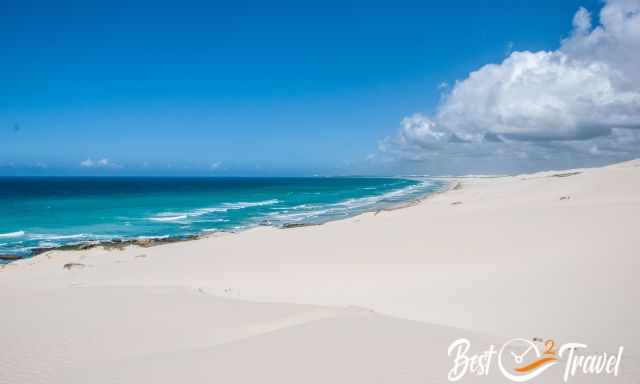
(52,212)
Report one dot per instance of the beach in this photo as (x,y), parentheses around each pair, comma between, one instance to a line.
(378,297)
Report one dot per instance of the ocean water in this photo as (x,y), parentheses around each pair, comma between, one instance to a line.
(51,212)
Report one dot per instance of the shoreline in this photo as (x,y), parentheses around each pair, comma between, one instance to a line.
(489,260)
(146,242)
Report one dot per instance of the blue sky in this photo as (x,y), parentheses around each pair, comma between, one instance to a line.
(247,88)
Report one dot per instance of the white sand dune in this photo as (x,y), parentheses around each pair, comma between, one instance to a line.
(375,298)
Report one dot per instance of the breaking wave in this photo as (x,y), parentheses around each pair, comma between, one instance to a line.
(11,234)
(224,207)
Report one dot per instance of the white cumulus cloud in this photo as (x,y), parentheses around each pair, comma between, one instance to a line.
(586,91)
(88,163)
(100,163)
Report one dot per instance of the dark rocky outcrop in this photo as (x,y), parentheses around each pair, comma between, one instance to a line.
(298,225)
(566,174)
(116,244)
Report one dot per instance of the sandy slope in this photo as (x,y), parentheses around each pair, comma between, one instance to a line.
(526,256)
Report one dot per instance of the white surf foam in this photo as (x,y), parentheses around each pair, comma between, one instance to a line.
(224,207)
(168,218)
(322,212)
(245,204)
(48,244)
(152,237)
(11,234)
(43,236)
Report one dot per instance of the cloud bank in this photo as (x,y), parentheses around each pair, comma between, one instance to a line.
(102,163)
(583,98)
